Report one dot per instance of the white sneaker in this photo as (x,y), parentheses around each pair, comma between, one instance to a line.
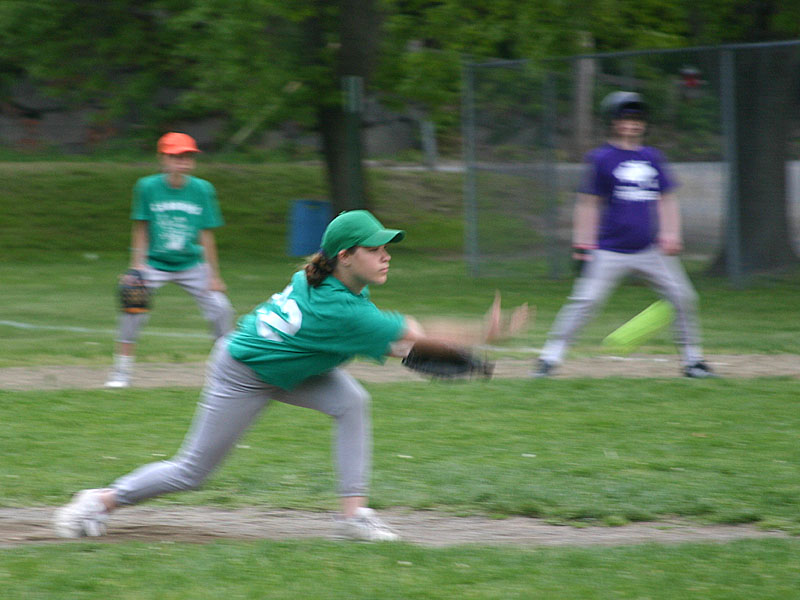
(120,376)
(365,525)
(86,515)
(117,380)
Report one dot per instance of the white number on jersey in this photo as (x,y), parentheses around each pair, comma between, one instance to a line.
(281,315)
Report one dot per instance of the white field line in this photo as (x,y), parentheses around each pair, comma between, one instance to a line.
(186,334)
(33,326)
(611,357)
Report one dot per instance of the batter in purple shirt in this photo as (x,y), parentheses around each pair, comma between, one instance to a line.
(626,221)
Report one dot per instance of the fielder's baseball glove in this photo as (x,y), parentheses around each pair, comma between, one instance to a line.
(134,297)
(447,362)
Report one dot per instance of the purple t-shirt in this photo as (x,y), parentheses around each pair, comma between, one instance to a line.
(630,183)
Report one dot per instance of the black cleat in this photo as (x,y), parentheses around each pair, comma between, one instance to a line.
(543,369)
(699,370)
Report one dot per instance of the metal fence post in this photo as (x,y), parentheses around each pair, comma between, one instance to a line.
(549,117)
(584,73)
(733,253)
(470,194)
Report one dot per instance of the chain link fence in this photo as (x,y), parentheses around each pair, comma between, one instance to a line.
(527,126)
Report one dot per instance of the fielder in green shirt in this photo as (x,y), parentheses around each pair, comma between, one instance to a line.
(174,215)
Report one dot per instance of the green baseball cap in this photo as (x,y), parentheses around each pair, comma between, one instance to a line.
(357,228)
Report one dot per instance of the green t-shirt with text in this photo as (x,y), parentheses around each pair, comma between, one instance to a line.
(175,217)
(305,331)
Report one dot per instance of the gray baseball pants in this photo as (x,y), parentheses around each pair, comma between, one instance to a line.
(232,398)
(216,307)
(602,274)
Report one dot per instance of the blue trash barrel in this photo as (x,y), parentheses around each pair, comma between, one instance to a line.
(307,222)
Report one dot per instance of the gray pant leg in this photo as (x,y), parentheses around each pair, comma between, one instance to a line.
(340,396)
(231,400)
(215,306)
(589,292)
(130,324)
(668,277)
(219,312)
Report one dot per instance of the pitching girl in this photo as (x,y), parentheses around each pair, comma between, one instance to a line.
(289,349)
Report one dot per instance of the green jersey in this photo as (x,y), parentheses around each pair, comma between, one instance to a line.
(305,331)
(175,217)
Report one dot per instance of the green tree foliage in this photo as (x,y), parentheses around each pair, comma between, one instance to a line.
(273,60)
(245,59)
(733,21)
(260,62)
(153,63)
(109,53)
(425,41)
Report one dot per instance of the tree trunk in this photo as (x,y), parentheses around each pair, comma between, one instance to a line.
(359,34)
(766,102)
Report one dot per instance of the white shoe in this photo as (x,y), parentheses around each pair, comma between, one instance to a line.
(117,382)
(86,515)
(121,370)
(365,525)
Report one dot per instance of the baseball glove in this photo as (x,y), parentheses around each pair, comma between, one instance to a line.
(448,362)
(134,297)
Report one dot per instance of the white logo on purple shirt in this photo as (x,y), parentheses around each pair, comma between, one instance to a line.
(637,181)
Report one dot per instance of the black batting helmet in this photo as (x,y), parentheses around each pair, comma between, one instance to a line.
(618,105)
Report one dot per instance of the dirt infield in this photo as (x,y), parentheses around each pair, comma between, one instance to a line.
(20,526)
(150,375)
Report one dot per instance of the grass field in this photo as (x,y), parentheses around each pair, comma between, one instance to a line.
(69,308)
(567,451)
(576,451)
(753,570)
(573,452)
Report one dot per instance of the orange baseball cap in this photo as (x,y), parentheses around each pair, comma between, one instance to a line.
(176,143)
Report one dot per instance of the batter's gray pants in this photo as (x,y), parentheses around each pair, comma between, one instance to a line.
(232,398)
(216,307)
(602,274)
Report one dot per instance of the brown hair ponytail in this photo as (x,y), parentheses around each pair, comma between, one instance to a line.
(318,268)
